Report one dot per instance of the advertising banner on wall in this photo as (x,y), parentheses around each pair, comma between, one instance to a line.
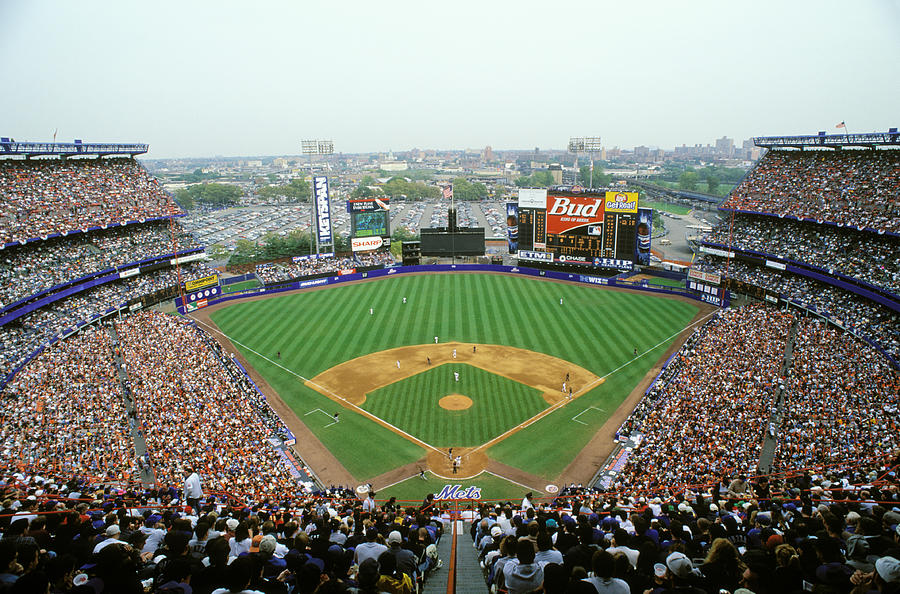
(512,226)
(323,210)
(532,198)
(644,233)
(363,244)
(621,202)
(565,213)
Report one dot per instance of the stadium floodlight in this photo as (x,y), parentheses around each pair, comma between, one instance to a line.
(317,147)
(592,144)
(586,144)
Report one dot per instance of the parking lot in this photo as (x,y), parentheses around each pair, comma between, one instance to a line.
(226,226)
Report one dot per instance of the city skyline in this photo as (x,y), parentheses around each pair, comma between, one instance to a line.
(206,79)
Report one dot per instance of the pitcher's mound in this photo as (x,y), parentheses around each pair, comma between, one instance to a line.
(455,402)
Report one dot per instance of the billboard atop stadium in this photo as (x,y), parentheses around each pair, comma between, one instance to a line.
(322,209)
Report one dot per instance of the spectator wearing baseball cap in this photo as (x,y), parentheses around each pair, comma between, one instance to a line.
(112,537)
(406,559)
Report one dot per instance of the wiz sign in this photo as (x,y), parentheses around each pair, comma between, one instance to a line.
(323,210)
(456,492)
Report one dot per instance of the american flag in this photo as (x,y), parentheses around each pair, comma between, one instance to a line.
(447,192)
(841,125)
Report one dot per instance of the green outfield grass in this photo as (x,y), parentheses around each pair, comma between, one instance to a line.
(666,207)
(241,286)
(666,282)
(596,328)
(413,490)
(498,404)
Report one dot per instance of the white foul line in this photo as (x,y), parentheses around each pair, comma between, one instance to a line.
(346,402)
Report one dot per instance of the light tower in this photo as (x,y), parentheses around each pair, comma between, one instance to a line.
(586,144)
(315,147)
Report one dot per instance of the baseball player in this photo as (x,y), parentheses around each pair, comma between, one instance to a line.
(456,375)
(398,363)
(454,353)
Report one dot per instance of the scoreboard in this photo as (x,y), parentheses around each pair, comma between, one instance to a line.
(370,217)
(575,226)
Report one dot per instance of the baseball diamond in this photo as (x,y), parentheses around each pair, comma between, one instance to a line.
(335,355)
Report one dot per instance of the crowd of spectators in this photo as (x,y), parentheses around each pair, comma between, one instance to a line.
(64,412)
(276,273)
(26,334)
(779,536)
(76,537)
(193,414)
(851,187)
(26,270)
(842,401)
(862,316)
(711,417)
(867,256)
(375,258)
(39,197)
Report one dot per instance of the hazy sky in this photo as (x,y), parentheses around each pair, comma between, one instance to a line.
(256,77)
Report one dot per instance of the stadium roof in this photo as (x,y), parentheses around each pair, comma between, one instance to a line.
(9,147)
(835,141)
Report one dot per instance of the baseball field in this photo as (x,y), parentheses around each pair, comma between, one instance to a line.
(517,375)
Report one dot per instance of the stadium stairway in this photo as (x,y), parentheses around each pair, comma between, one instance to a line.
(147,476)
(770,442)
(460,572)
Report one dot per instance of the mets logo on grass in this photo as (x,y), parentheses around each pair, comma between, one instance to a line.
(456,492)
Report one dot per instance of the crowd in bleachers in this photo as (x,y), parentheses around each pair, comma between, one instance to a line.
(756,536)
(26,270)
(193,413)
(867,256)
(375,258)
(23,336)
(710,418)
(64,413)
(39,197)
(842,403)
(852,187)
(271,273)
(861,316)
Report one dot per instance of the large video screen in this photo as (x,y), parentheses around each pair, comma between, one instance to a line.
(574,226)
(368,224)
(370,217)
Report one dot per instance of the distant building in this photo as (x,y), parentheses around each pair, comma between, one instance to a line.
(557,172)
(487,155)
(394,166)
(725,146)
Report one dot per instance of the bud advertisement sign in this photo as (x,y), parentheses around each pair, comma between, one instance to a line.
(565,213)
(323,209)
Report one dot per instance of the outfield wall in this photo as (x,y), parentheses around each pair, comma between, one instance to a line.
(394,270)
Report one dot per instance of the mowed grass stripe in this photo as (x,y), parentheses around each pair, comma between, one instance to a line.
(413,405)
